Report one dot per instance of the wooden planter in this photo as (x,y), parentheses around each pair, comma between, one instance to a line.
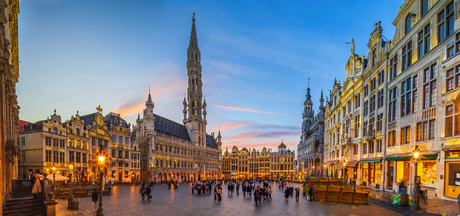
(333,194)
(333,182)
(361,196)
(346,195)
(324,182)
(320,193)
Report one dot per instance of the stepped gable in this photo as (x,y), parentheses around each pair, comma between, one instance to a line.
(171,128)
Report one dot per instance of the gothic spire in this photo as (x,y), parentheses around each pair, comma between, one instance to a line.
(193,38)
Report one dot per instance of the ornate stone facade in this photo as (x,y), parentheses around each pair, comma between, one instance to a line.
(310,148)
(9,114)
(170,150)
(259,164)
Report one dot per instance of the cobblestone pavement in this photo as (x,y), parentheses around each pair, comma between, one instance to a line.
(126,200)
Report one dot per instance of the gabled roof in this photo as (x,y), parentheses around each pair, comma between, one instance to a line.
(115,119)
(171,128)
(88,118)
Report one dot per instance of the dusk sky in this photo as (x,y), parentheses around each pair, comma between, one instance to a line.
(256,59)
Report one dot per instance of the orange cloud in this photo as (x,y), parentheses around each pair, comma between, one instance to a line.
(229,126)
(291,144)
(246,109)
(130,110)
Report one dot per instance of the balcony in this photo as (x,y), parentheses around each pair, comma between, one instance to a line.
(346,140)
(369,136)
(429,113)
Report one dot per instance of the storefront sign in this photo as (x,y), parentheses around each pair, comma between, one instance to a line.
(453,155)
(452,142)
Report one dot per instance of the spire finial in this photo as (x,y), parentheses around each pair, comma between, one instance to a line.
(55,111)
(309,82)
(149,89)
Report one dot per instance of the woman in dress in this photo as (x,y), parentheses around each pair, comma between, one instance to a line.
(37,189)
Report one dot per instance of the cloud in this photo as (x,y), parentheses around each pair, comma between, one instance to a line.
(229,126)
(291,144)
(166,88)
(269,134)
(247,109)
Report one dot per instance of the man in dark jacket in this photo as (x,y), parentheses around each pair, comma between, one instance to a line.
(256,197)
(95,197)
(148,191)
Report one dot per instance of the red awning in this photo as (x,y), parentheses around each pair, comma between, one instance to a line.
(340,166)
(331,162)
(352,163)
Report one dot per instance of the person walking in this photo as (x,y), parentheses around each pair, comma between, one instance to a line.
(237,188)
(244,189)
(198,187)
(219,193)
(142,191)
(37,189)
(269,191)
(310,192)
(215,192)
(286,194)
(256,196)
(203,189)
(95,198)
(260,194)
(297,193)
(147,192)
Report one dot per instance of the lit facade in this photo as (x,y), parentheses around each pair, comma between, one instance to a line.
(310,148)
(259,164)
(403,97)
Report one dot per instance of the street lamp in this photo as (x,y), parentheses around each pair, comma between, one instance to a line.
(415,196)
(100,210)
(70,198)
(54,178)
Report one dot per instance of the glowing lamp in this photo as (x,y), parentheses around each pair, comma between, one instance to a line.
(101,160)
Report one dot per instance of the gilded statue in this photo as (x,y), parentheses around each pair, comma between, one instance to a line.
(352,46)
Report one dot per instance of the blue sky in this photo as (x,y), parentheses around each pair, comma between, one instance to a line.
(256,59)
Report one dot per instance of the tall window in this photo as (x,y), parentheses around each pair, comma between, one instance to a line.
(365,128)
(424,41)
(453,78)
(392,104)
(406,97)
(405,135)
(408,23)
(48,141)
(366,90)
(357,101)
(429,86)
(452,120)
(365,108)
(48,156)
(380,98)
(61,157)
(393,67)
(372,104)
(373,84)
(424,7)
(379,122)
(78,157)
(71,157)
(391,138)
(407,56)
(379,145)
(364,148)
(56,156)
(426,130)
(356,126)
(446,22)
(374,57)
(414,93)
(381,78)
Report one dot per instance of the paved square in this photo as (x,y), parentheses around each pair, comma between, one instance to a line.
(126,200)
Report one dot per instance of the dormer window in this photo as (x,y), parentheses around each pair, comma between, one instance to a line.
(408,23)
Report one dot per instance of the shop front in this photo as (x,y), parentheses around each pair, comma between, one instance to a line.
(398,173)
(371,172)
(452,169)
(426,169)
(332,166)
(352,172)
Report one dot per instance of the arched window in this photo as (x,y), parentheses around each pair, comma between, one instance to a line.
(55,130)
(408,23)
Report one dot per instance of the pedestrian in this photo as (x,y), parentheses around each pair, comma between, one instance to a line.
(269,190)
(193,187)
(148,191)
(286,194)
(297,193)
(142,191)
(215,192)
(237,188)
(256,196)
(203,189)
(229,188)
(260,194)
(219,193)
(198,187)
(37,189)
(310,192)
(244,189)
(95,198)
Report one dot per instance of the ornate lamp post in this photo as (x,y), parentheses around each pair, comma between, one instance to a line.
(415,196)
(100,210)
(54,178)
(70,198)
(344,172)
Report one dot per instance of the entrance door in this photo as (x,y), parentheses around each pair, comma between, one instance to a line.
(371,173)
(391,174)
(120,177)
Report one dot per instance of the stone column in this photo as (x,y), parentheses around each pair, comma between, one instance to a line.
(50,205)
